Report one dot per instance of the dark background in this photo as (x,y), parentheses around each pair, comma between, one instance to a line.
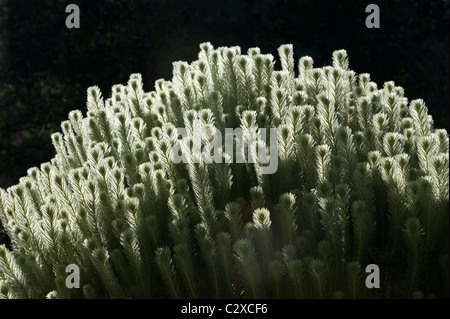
(46,68)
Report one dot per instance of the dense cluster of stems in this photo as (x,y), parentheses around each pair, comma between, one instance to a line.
(362,179)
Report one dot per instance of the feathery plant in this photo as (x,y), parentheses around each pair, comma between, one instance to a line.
(362,179)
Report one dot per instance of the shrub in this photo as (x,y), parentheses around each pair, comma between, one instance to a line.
(362,178)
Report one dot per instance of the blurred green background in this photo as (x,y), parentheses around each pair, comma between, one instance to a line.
(46,68)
